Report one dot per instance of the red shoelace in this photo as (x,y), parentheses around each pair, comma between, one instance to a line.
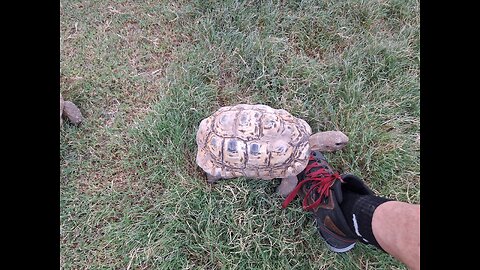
(324,181)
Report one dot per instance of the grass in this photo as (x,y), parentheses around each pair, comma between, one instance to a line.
(145,73)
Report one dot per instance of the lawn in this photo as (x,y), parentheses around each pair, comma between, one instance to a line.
(145,73)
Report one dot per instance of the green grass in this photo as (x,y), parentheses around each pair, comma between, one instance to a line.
(145,73)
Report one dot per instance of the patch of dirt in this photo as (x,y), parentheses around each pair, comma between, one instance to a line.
(192,167)
(224,80)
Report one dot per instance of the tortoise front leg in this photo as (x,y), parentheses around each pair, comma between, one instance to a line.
(212,179)
(287,185)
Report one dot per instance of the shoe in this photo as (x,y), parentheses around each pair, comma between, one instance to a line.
(321,190)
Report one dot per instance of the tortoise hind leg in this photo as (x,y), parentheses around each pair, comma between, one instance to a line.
(287,185)
(212,179)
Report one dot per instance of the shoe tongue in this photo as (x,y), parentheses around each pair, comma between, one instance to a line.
(316,168)
(337,189)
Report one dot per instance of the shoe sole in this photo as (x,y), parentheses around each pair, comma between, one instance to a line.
(332,248)
(339,250)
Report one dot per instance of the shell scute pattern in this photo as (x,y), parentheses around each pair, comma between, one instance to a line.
(253,141)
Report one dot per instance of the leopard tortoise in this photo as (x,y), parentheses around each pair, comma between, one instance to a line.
(257,141)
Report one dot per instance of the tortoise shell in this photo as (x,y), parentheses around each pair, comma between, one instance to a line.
(254,141)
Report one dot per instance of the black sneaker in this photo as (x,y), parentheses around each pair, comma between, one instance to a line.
(321,190)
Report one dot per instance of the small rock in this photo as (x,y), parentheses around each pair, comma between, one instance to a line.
(72,112)
(61,109)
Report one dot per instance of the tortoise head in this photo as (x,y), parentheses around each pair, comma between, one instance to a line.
(328,141)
